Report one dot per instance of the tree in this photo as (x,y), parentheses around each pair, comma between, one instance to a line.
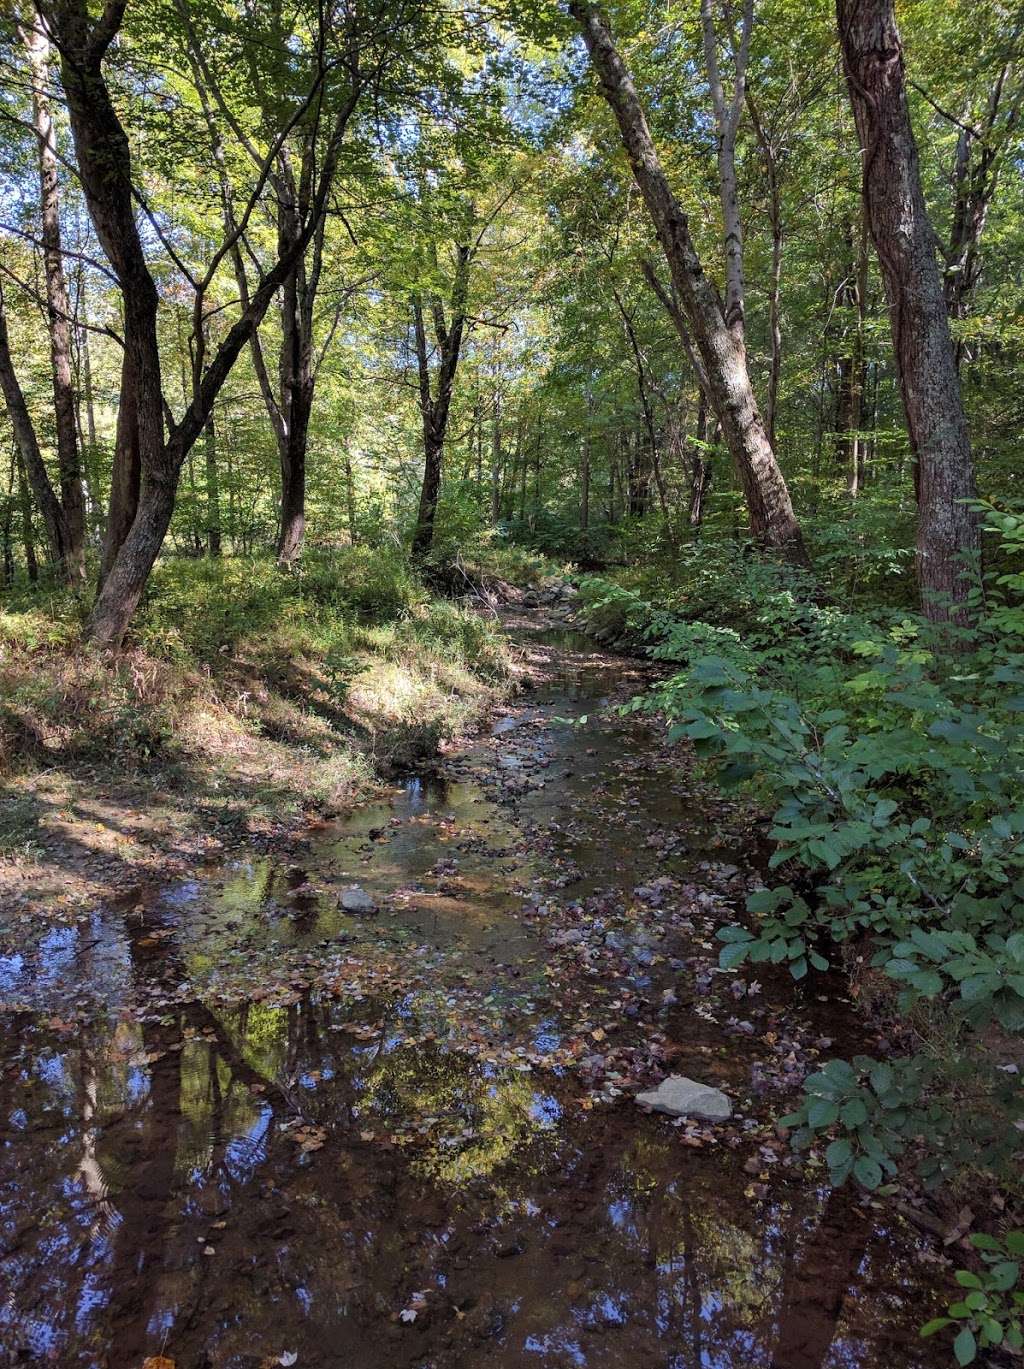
(270,60)
(105,167)
(72,498)
(435,391)
(948,538)
(30,455)
(772,520)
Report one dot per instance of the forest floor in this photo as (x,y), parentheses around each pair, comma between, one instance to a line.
(130,770)
(363,1092)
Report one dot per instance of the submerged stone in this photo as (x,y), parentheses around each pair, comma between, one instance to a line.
(357,901)
(681,1097)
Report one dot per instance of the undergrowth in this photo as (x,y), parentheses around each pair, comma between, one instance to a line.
(321,680)
(892,762)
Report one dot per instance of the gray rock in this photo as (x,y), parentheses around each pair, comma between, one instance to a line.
(357,901)
(572,937)
(681,1097)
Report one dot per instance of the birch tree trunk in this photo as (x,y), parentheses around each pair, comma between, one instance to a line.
(948,535)
(772,520)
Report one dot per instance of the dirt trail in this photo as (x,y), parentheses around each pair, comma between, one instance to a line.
(243,1122)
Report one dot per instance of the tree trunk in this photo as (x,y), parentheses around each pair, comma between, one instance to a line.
(212,490)
(104,164)
(496,459)
(771,166)
(72,497)
(585,482)
(88,444)
(976,171)
(423,537)
(434,408)
(700,469)
(350,497)
(293,478)
(639,474)
(27,534)
(727,119)
(6,528)
(125,474)
(295,366)
(948,538)
(31,457)
(772,520)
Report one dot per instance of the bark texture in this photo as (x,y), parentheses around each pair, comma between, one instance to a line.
(948,537)
(772,520)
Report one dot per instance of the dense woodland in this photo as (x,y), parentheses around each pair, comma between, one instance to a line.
(716,309)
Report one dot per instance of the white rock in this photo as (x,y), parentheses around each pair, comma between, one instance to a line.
(681,1097)
(357,900)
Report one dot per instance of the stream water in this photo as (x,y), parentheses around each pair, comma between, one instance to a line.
(243,1127)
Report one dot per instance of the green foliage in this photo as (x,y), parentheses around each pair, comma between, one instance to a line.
(894,776)
(204,607)
(990,1313)
(873,1108)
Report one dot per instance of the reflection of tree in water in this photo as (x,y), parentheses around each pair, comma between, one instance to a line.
(543,1235)
(476,1120)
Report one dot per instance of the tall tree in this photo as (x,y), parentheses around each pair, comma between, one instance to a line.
(29,453)
(772,520)
(72,498)
(105,168)
(948,537)
(435,390)
(292,174)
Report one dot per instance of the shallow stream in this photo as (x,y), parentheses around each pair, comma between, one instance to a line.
(243,1126)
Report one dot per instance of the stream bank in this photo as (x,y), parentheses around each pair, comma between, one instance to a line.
(242,1121)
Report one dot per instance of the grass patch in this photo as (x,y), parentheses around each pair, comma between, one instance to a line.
(242,691)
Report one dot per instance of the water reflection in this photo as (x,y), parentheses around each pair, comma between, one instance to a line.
(358,1178)
(224,1182)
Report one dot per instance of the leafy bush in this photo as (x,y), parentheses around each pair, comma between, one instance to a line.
(991,1311)
(894,774)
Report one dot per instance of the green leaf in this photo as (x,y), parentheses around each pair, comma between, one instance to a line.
(867,1171)
(734,954)
(965,1347)
(882,1078)
(936,1324)
(838,1153)
(822,1112)
(854,1113)
(1004,1275)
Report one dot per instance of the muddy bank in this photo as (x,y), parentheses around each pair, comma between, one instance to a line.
(247,1115)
